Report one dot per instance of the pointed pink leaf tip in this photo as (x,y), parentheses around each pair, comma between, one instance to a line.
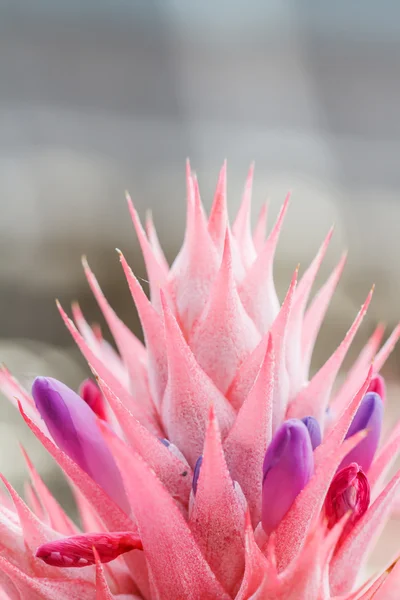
(93,397)
(369,416)
(378,386)
(288,466)
(77,550)
(73,427)
(349,492)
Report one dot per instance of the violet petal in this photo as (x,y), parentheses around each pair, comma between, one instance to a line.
(288,466)
(369,416)
(72,425)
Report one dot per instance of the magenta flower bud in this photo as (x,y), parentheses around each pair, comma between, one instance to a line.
(196,473)
(77,550)
(73,427)
(288,466)
(93,397)
(314,431)
(349,492)
(369,416)
(378,386)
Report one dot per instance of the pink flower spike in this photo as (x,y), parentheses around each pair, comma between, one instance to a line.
(93,397)
(349,491)
(77,550)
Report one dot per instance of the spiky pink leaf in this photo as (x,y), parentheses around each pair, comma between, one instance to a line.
(95,364)
(194,269)
(126,341)
(218,219)
(313,399)
(257,569)
(261,228)
(250,435)
(176,563)
(155,242)
(294,355)
(16,393)
(242,226)
(175,475)
(386,349)
(217,519)
(316,312)
(224,334)
(384,459)
(257,290)
(188,395)
(45,588)
(356,373)
(156,273)
(152,326)
(59,520)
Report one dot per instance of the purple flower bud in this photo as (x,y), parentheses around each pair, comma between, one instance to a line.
(72,425)
(378,386)
(369,416)
(348,492)
(314,431)
(288,466)
(196,473)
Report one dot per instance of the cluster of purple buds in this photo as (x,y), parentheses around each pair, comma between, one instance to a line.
(289,464)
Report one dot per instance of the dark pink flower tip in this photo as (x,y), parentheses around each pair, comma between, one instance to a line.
(378,386)
(77,550)
(93,397)
(314,431)
(73,427)
(349,492)
(196,473)
(369,416)
(288,466)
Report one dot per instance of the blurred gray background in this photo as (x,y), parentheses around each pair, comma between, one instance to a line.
(100,96)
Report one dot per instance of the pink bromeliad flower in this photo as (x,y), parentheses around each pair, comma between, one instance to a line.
(206,464)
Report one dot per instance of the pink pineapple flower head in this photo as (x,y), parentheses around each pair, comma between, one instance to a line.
(206,462)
